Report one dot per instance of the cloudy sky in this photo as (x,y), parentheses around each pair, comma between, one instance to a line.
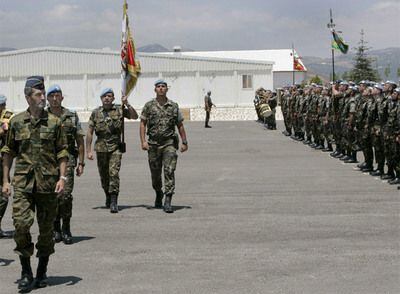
(199,25)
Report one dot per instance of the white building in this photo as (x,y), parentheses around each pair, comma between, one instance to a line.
(82,74)
(282,71)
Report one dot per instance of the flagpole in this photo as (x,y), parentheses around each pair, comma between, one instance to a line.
(331,26)
(293,78)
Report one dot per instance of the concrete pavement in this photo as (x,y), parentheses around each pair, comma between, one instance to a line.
(255,213)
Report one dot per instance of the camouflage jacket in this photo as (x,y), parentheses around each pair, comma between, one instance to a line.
(161,121)
(107,125)
(391,124)
(37,145)
(72,128)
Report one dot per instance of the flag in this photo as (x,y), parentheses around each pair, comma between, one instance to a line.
(130,65)
(297,63)
(338,43)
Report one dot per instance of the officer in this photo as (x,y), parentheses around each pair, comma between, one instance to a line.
(106,122)
(76,149)
(207,107)
(5,116)
(37,140)
(160,116)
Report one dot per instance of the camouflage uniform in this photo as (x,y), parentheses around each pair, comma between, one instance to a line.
(73,129)
(37,144)
(380,118)
(285,106)
(389,133)
(163,142)
(107,124)
(5,116)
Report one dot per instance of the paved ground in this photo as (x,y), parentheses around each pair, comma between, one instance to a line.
(256,213)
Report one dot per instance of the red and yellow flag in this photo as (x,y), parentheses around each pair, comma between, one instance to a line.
(130,65)
(297,63)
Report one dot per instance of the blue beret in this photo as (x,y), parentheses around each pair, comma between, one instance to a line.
(345,83)
(378,86)
(391,83)
(36,82)
(54,89)
(159,82)
(3,99)
(106,91)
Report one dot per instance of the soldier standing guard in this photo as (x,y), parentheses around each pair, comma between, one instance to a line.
(37,140)
(106,121)
(160,116)
(5,116)
(76,149)
(207,107)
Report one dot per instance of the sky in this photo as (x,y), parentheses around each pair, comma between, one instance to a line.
(200,25)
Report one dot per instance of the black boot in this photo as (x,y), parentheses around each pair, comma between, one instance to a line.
(66,231)
(108,200)
(114,203)
(167,204)
(57,231)
(395,181)
(25,283)
(328,149)
(158,201)
(41,277)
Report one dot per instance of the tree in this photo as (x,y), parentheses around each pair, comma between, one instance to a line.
(363,64)
(317,80)
(346,76)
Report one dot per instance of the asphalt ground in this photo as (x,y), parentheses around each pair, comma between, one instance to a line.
(255,212)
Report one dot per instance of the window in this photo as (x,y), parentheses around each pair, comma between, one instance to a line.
(247,81)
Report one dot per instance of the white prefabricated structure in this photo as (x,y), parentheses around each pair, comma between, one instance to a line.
(283,69)
(83,73)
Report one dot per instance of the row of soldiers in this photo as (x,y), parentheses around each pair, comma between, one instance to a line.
(351,117)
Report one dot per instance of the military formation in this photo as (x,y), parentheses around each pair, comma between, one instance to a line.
(47,145)
(344,119)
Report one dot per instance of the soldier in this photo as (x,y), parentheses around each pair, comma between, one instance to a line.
(365,125)
(37,140)
(285,102)
(382,117)
(207,107)
(389,132)
(76,149)
(5,116)
(106,121)
(326,112)
(348,126)
(160,116)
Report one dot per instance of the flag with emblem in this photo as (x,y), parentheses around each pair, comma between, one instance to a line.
(130,65)
(297,63)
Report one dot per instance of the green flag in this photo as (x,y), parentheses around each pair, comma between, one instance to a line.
(338,43)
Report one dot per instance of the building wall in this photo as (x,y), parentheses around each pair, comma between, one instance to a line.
(284,78)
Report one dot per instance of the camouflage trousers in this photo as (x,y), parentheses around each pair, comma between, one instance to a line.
(287,121)
(24,207)
(3,201)
(109,164)
(65,200)
(163,158)
(377,143)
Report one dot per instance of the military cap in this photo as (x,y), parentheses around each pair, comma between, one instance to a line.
(3,99)
(344,83)
(363,82)
(36,82)
(160,82)
(397,90)
(391,83)
(378,86)
(106,91)
(338,81)
(54,89)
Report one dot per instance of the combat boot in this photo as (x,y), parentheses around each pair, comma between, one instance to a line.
(378,172)
(353,158)
(4,234)
(66,231)
(395,181)
(367,169)
(159,198)
(328,149)
(57,231)
(167,204)
(41,277)
(26,280)
(108,200)
(362,165)
(114,203)
(390,174)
